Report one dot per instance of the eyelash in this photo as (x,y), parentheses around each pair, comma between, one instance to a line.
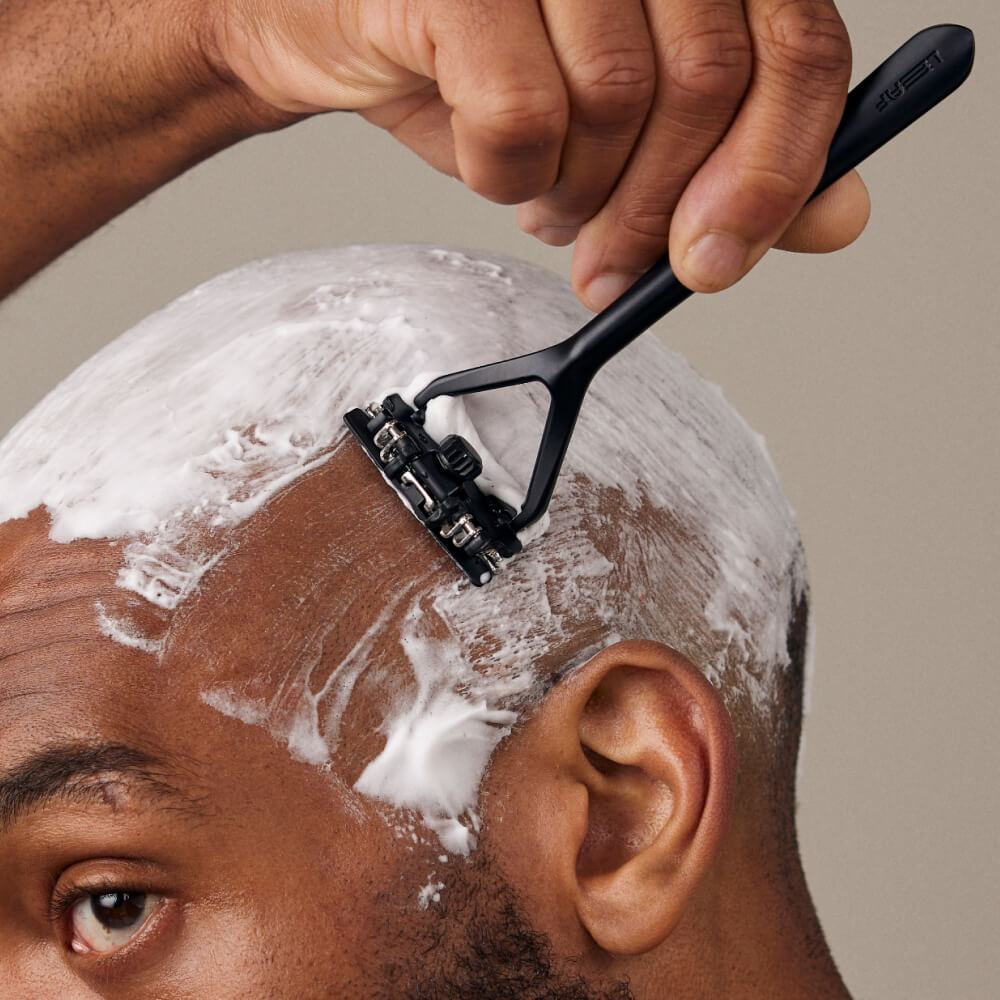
(63,900)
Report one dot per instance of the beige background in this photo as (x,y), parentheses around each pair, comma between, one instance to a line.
(874,376)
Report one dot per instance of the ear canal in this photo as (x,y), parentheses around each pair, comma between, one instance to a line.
(628,808)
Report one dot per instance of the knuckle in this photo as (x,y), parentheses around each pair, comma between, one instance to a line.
(810,38)
(622,79)
(777,186)
(520,117)
(710,63)
(646,223)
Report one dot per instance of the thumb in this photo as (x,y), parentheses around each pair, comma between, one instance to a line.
(832,220)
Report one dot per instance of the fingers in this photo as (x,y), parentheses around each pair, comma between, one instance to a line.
(752,187)
(496,70)
(702,124)
(703,64)
(831,221)
(605,54)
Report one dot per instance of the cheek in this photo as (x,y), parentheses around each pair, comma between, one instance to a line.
(312,874)
(317,903)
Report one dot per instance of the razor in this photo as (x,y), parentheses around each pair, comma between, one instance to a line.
(437,479)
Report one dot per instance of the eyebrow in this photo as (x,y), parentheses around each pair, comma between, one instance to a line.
(81,773)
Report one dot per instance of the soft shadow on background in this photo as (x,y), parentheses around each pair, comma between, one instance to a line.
(874,376)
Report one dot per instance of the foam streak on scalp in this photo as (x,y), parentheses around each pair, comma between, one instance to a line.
(437,749)
(668,522)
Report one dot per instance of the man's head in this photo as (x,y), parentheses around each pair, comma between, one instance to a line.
(269,708)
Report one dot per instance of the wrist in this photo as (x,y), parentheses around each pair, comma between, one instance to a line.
(105,101)
(193,31)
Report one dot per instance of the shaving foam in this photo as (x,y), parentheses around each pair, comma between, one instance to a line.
(667,523)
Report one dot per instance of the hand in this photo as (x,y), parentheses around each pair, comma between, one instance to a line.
(624,125)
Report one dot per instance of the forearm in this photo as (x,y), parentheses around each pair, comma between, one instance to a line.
(101,102)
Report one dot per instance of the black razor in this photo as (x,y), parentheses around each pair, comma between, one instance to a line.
(437,479)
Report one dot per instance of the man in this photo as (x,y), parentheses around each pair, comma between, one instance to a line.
(259,738)
(628,127)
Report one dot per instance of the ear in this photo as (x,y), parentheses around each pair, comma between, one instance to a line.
(629,764)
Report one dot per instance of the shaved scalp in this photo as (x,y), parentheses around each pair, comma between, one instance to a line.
(668,523)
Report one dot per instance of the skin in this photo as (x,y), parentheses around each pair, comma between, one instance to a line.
(619,843)
(630,127)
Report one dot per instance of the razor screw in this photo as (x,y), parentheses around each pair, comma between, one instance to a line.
(461,531)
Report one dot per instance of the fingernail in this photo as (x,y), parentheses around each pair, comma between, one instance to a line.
(716,260)
(605,288)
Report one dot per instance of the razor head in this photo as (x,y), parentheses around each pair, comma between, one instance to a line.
(437,481)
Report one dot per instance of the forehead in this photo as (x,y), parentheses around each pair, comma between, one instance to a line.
(327,563)
(48,594)
(336,532)
(60,677)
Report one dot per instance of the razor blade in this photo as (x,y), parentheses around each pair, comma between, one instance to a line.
(437,480)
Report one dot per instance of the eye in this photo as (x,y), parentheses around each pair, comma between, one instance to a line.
(106,921)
